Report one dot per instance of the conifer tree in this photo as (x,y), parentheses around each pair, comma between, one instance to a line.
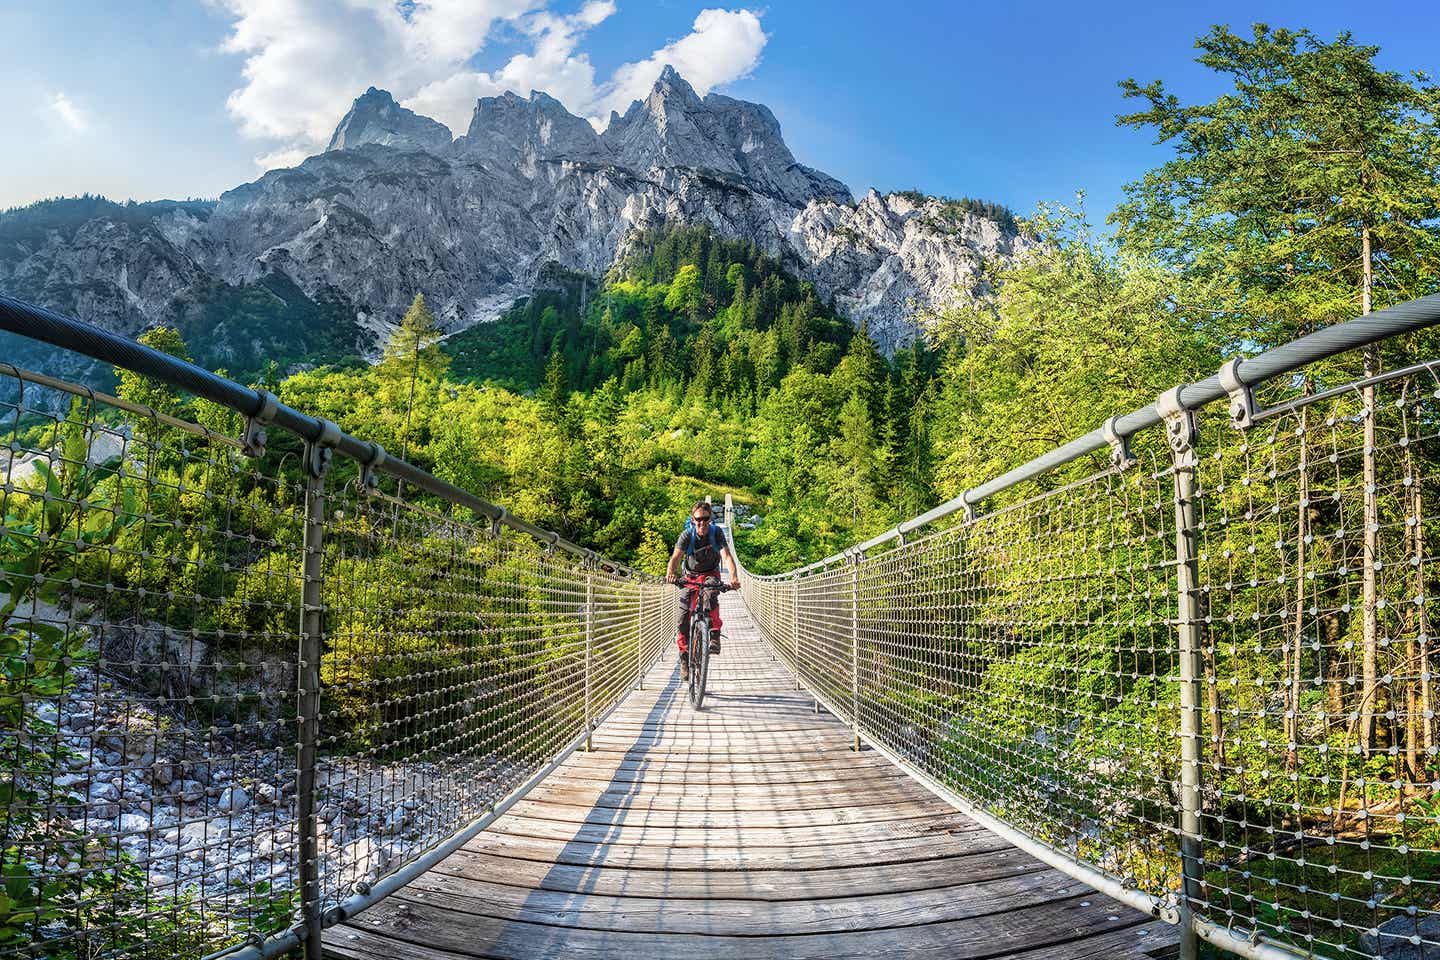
(414,347)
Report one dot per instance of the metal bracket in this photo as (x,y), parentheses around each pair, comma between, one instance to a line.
(253,443)
(970,511)
(1180,428)
(320,452)
(1242,397)
(1120,456)
(367,481)
(496,521)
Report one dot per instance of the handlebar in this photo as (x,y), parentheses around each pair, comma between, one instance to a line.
(709,583)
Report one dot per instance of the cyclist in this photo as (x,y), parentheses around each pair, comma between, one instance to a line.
(700,547)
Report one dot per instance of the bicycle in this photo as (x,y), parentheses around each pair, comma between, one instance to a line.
(698,643)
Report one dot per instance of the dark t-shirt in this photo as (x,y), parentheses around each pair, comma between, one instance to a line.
(705,559)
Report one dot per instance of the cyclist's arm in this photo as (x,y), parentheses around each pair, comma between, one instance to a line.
(675,558)
(734,567)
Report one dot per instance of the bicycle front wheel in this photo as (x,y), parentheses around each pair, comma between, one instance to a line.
(699,662)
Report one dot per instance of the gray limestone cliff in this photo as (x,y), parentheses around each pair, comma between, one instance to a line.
(340,244)
(376,118)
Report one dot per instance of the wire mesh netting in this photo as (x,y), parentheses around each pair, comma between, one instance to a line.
(1321,773)
(152,655)
(1023,661)
(1028,660)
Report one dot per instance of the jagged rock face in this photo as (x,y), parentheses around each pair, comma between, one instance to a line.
(377,118)
(673,127)
(393,207)
(513,136)
(890,257)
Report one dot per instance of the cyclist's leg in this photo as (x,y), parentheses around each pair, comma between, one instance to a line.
(715,624)
(687,603)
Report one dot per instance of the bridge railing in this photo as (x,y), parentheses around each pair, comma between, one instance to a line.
(1189,658)
(250,684)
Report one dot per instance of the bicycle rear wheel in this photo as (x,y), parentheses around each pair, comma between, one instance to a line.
(699,661)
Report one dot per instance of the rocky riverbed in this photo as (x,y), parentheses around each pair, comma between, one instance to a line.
(210,814)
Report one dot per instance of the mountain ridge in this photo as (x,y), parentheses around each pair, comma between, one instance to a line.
(396,206)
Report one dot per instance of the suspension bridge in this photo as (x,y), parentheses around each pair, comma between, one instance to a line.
(271,689)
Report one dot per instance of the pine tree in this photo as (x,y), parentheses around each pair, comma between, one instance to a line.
(414,348)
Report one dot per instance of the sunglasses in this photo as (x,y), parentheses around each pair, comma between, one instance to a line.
(701,519)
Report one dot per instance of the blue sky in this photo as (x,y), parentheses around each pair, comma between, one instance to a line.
(1009,102)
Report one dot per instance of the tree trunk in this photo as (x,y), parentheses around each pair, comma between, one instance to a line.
(1336,667)
(1371,698)
(1292,675)
(1423,710)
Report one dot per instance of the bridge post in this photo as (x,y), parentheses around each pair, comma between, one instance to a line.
(589,643)
(855,652)
(1183,434)
(640,643)
(795,634)
(317,465)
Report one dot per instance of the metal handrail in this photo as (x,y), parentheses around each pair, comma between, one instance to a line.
(37,323)
(1248,373)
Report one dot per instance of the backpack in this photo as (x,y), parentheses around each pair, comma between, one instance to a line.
(690,541)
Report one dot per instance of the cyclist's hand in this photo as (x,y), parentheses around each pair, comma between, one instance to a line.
(735,584)
(670,578)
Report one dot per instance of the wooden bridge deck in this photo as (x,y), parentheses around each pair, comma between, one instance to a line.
(749,830)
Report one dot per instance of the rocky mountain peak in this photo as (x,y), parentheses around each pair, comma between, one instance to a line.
(344,241)
(375,117)
(674,127)
(509,131)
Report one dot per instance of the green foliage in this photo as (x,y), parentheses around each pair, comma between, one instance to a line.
(413,349)
(1279,183)
(1065,328)
(75,509)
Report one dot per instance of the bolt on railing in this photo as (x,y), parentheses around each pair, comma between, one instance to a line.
(251,684)
(1197,670)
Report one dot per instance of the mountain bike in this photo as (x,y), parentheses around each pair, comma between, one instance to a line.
(698,643)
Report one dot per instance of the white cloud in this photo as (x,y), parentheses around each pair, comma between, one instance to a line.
(723,45)
(306,60)
(74,119)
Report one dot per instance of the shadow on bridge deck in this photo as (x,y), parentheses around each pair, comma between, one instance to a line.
(749,830)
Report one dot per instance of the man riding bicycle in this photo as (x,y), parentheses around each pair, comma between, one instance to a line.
(700,547)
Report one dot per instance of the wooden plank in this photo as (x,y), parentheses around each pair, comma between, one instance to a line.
(632,816)
(747,918)
(411,931)
(840,853)
(928,825)
(840,763)
(782,797)
(768,885)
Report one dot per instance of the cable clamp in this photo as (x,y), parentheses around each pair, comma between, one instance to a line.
(320,452)
(970,511)
(1120,456)
(367,482)
(1180,428)
(253,443)
(1242,397)
(496,521)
